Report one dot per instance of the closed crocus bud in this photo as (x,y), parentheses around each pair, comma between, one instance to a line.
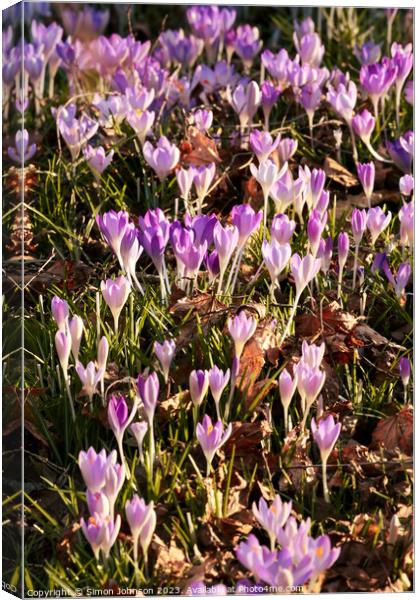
(286,149)
(377,221)
(203,178)
(114,480)
(141,122)
(287,387)
(93,467)
(406,185)
(325,433)
(394,530)
(163,159)
(312,354)
(101,533)
(358,224)
(165,353)
(139,430)
(89,377)
(246,220)
(218,380)
(97,503)
(241,328)
(63,347)
(324,253)
(148,388)
(142,520)
(343,246)
(323,203)
(282,228)
(363,125)
(405,370)
(203,119)
(211,438)
(76,332)
(366,174)
(225,241)
(406,216)
(304,270)
(60,311)
(199,384)
(402,277)
(115,293)
(131,250)
(314,229)
(266,174)
(119,419)
(276,258)
(112,226)
(103,349)
(185,180)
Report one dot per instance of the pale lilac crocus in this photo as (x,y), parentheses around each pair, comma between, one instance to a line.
(22,150)
(211,438)
(366,174)
(115,293)
(276,257)
(185,180)
(287,387)
(377,221)
(130,251)
(312,354)
(139,430)
(343,246)
(304,270)
(262,144)
(63,346)
(60,311)
(266,174)
(203,119)
(199,385)
(218,380)
(102,358)
(324,253)
(325,433)
(114,480)
(285,190)
(406,216)
(148,389)
(406,185)
(310,381)
(225,241)
(282,228)
(142,122)
(203,179)
(101,533)
(401,278)
(272,517)
(245,101)
(142,520)
(165,353)
(286,149)
(76,328)
(241,329)
(90,377)
(402,59)
(314,229)
(113,226)
(363,125)
(358,226)
(119,419)
(343,100)
(93,467)
(97,503)
(97,160)
(269,96)
(376,79)
(405,372)
(247,222)
(163,159)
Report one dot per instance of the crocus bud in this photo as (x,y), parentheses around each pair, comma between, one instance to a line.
(163,159)
(324,253)
(358,224)
(262,144)
(97,503)
(185,179)
(282,228)
(225,241)
(314,229)
(165,353)
(199,384)
(142,520)
(325,434)
(246,220)
(241,328)
(148,388)
(406,185)
(103,349)
(89,377)
(63,347)
(115,293)
(275,257)
(97,160)
(366,174)
(114,480)
(343,248)
(312,354)
(101,533)
(139,430)
(304,270)
(60,311)
(363,125)
(76,332)
(211,438)
(93,467)
(405,369)
(266,174)
(203,119)
(394,530)
(217,382)
(287,387)
(377,221)
(112,226)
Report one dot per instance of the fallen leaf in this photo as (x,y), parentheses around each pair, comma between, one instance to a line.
(396,431)
(198,149)
(339,174)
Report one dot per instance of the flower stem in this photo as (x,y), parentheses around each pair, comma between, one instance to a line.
(356,254)
(324,481)
(151,448)
(292,315)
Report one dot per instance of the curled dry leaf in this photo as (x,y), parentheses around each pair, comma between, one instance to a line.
(198,149)
(339,174)
(171,561)
(247,437)
(396,431)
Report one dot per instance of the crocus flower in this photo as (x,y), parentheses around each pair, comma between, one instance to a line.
(358,226)
(406,216)
(142,520)
(406,185)
(286,149)
(325,433)
(203,178)
(343,100)
(203,119)
(262,144)
(165,353)
(114,480)
(63,347)
(363,125)
(185,180)
(314,229)
(245,101)
(269,96)
(366,174)
(325,555)
(148,388)
(119,419)
(76,331)
(282,228)
(377,79)
(276,258)
(218,380)
(139,430)
(211,438)
(113,226)
(277,65)
(97,503)
(325,250)
(130,252)
(401,152)
(163,159)
(60,311)
(247,44)
(225,242)
(97,160)
(115,293)
(142,122)
(266,174)
(285,190)
(273,517)
(312,354)
(405,371)
(287,387)
(309,48)
(402,59)
(368,53)
(343,252)
(89,377)
(22,151)
(241,328)
(154,236)
(101,533)
(377,221)
(409,92)
(199,384)
(246,220)
(310,96)
(401,278)
(93,467)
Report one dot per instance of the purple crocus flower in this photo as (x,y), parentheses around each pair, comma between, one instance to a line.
(377,221)
(60,312)
(262,144)
(309,97)
(405,370)
(246,220)
(245,101)
(203,178)
(90,377)
(63,347)
(402,59)
(401,278)
(141,518)
(324,555)
(286,149)
(343,246)
(277,65)
(401,152)
(93,467)
(163,159)
(358,224)
(325,250)
(406,216)
(76,328)
(203,119)
(225,241)
(366,174)
(119,419)
(148,388)
(325,433)
(273,517)
(287,387)
(115,293)
(97,159)
(377,79)
(368,53)
(241,328)
(218,380)
(181,49)
(269,96)
(406,185)
(304,270)
(314,229)
(165,353)
(309,48)
(199,384)
(276,258)
(142,122)
(247,44)
(211,438)
(97,503)
(22,151)
(363,125)
(211,261)
(101,533)
(154,236)
(113,226)
(343,100)
(139,430)
(282,228)
(185,180)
